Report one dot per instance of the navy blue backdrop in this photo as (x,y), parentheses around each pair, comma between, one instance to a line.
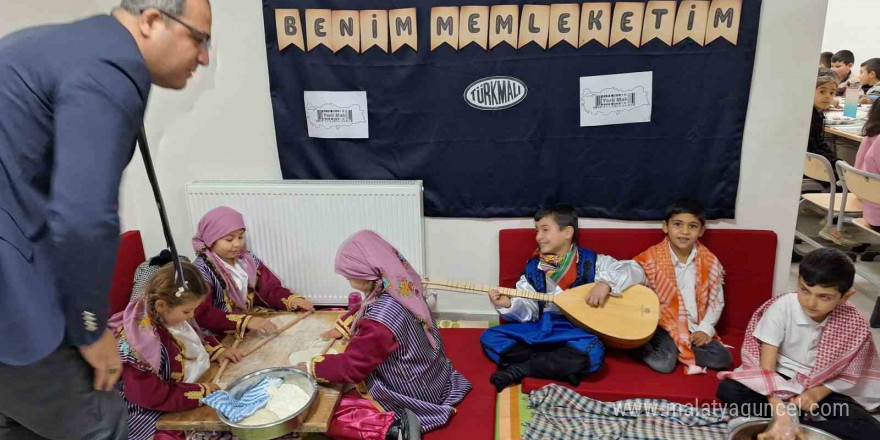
(511,162)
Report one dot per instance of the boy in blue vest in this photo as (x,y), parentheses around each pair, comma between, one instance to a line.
(540,341)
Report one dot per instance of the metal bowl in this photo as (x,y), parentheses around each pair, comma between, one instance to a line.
(280,427)
(750,431)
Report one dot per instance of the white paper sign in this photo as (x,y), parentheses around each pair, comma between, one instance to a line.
(337,115)
(616,99)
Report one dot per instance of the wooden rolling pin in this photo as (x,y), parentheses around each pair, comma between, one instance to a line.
(224,363)
(327,346)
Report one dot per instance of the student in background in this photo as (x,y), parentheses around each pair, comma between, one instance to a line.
(825,60)
(868,159)
(842,62)
(826,86)
(869,76)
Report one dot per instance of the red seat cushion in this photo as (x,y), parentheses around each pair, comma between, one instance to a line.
(748,258)
(474,417)
(623,377)
(129,255)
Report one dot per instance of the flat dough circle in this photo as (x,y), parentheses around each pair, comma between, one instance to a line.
(300,356)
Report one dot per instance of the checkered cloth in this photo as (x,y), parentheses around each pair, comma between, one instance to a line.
(560,413)
(253,399)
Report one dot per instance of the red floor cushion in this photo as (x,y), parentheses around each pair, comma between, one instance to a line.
(748,257)
(475,415)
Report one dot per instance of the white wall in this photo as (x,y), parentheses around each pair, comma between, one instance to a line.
(846,27)
(222,127)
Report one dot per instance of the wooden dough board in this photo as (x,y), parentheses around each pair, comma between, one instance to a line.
(303,335)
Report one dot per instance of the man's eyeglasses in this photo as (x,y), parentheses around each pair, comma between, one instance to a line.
(203,39)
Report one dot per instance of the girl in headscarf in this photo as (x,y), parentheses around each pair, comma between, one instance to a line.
(164,352)
(238,280)
(407,384)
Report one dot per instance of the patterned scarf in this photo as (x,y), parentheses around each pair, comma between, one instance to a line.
(214,225)
(136,333)
(846,359)
(367,256)
(562,270)
(660,272)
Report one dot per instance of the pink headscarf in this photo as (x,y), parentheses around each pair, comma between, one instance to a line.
(367,256)
(214,225)
(140,333)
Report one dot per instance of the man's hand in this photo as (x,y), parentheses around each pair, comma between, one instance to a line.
(103,356)
(498,300)
(700,338)
(598,294)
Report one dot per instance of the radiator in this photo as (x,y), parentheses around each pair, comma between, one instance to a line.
(295,226)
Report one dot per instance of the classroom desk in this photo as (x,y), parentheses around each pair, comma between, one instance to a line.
(844,132)
(204,418)
(845,141)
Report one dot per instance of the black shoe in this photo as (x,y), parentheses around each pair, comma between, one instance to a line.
(407,427)
(508,376)
(394,432)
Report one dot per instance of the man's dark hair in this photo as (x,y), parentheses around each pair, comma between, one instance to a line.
(828,268)
(872,65)
(687,206)
(563,215)
(825,59)
(843,56)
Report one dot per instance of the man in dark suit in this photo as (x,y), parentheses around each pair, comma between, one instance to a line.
(72,99)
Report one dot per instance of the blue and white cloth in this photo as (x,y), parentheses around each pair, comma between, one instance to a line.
(252,401)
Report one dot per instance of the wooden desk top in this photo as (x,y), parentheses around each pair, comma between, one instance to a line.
(205,418)
(844,134)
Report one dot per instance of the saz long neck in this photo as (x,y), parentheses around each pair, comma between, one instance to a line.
(459,286)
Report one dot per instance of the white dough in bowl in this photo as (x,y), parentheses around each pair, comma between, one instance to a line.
(286,400)
(261,417)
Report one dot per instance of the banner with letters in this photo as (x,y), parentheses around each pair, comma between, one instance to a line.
(615,107)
